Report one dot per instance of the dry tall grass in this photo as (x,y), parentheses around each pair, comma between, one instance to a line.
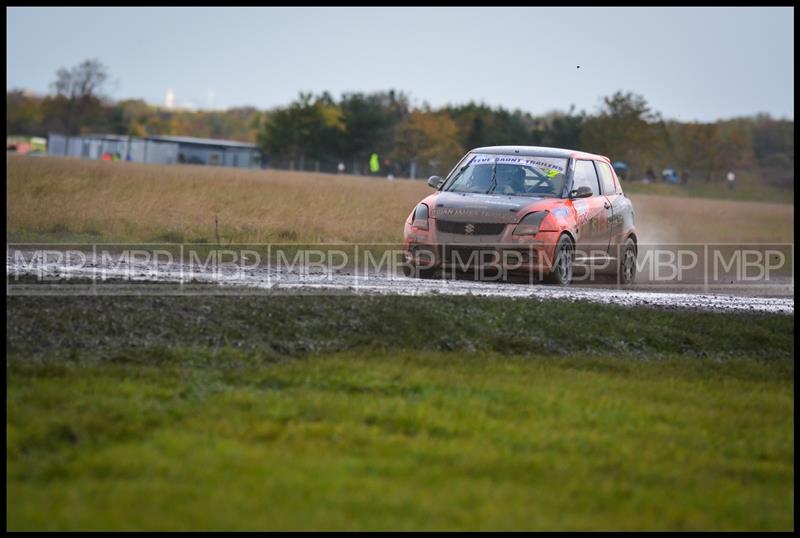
(52,198)
(128,201)
(671,219)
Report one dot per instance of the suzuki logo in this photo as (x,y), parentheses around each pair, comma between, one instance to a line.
(469,229)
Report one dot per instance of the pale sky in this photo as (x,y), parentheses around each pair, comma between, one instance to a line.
(689,63)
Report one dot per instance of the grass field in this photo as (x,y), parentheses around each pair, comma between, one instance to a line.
(394,413)
(67,200)
(748,189)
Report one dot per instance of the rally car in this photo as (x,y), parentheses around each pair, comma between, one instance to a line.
(524,208)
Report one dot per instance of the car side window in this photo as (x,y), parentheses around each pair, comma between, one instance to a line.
(585,175)
(606,178)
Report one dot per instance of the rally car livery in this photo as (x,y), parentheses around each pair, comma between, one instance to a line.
(524,208)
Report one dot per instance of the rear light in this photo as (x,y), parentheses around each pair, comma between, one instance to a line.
(420,219)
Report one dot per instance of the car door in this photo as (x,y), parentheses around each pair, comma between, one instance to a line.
(610,189)
(592,230)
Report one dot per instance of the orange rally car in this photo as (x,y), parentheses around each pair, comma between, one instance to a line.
(524,208)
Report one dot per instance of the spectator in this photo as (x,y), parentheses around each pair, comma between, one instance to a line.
(731,181)
(685,177)
(374,164)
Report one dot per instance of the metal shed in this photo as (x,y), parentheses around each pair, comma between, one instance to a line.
(157,149)
(213,152)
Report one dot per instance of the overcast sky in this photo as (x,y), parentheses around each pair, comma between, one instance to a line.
(689,63)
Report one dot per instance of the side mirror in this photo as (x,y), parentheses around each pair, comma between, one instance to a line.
(581,192)
(435,182)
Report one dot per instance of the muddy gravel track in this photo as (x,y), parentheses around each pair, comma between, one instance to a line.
(139,277)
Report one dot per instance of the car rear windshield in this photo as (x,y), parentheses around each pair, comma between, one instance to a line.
(509,175)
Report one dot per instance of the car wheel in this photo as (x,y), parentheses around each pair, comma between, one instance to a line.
(627,264)
(561,273)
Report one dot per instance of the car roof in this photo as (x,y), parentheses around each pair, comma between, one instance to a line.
(539,151)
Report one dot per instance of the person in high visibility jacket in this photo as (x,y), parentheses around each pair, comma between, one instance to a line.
(374,164)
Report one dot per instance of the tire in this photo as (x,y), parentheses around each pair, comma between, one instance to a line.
(626,269)
(561,273)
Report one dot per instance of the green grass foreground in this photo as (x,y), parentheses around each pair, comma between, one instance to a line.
(318,413)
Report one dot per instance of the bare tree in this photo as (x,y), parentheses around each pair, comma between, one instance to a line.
(83,81)
(79,92)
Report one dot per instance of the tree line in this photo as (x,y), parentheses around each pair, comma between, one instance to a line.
(321,132)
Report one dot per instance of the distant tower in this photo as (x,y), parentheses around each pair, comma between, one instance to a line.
(169,99)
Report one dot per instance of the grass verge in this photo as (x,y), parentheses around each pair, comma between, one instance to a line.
(300,325)
(394,413)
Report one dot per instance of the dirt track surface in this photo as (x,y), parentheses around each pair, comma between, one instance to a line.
(156,278)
